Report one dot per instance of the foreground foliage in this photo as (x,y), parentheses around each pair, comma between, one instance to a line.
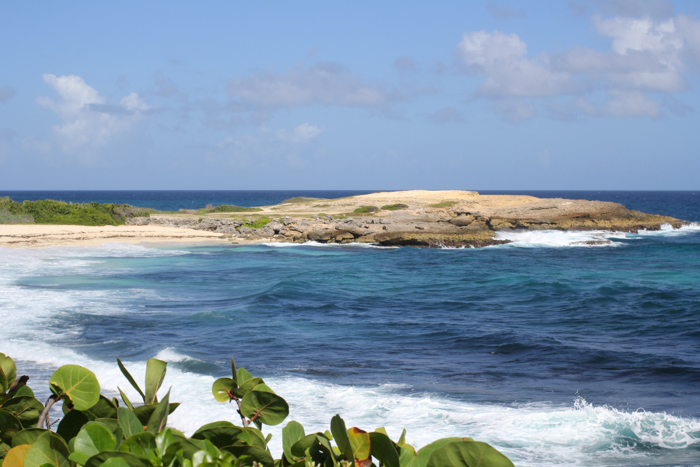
(57,212)
(97,431)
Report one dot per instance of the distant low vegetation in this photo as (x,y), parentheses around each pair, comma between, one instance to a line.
(366,210)
(444,204)
(300,199)
(229,208)
(395,207)
(57,212)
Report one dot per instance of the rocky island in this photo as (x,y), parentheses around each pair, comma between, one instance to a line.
(408,218)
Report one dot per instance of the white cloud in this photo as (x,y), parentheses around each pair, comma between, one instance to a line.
(501,58)
(647,58)
(88,120)
(631,104)
(323,83)
(304,133)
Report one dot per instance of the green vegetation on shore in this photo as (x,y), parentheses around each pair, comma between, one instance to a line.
(97,431)
(366,210)
(57,212)
(228,208)
(395,207)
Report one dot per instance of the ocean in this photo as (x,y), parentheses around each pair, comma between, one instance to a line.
(555,352)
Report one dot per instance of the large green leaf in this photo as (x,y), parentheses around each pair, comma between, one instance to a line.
(104,408)
(361,443)
(256,454)
(384,449)
(266,407)
(49,449)
(9,426)
(99,459)
(142,445)
(4,385)
(7,365)
(155,373)
(224,389)
(291,433)
(131,380)
(252,437)
(159,418)
(72,422)
(76,383)
(242,375)
(468,454)
(220,436)
(128,422)
(28,436)
(234,371)
(340,435)
(299,448)
(424,453)
(248,386)
(26,408)
(144,412)
(92,439)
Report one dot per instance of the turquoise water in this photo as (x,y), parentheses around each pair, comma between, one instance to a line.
(555,352)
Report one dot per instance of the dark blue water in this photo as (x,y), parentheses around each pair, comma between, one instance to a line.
(546,349)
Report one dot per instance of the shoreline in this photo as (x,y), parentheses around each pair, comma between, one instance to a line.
(417,218)
(37,236)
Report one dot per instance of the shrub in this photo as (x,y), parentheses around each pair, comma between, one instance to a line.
(57,212)
(258,224)
(300,199)
(231,208)
(366,209)
(99,431)
(395,207)
(444,204)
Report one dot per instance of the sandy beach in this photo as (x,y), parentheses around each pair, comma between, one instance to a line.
(42,236)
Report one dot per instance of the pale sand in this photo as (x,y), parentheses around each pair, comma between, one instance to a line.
(42,236)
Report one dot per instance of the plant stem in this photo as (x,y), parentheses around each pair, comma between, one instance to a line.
(44,418)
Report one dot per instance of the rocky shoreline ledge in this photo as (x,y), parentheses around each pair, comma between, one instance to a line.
(413,218)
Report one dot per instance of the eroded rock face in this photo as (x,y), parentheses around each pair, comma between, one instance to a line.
(470,221)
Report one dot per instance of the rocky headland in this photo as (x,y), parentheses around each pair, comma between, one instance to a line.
(411,218)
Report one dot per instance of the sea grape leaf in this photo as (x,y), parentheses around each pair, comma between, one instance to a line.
(159,417)
(90,440)
(340,435)
(361,443)
(131,380)
(15,456)
(50,449)
(468,454)
(155,373)
(266,407)
(299,448)
(27,436)
(383,449)
(257,454)
(144,412)
(248,386)
(242,375)
(128,422)
(220,436)
(125,399)
(9,426)
(4,386)
(76,383)
(24,391)
(252,437)
(9,370)
(263,387)
(291,433)
(99,459)
(72,422)
(104,408)
(224,389)
(234,371)
(26,409)
(426,451)
(142,445)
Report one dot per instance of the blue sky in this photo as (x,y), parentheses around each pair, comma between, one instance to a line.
(492,95)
